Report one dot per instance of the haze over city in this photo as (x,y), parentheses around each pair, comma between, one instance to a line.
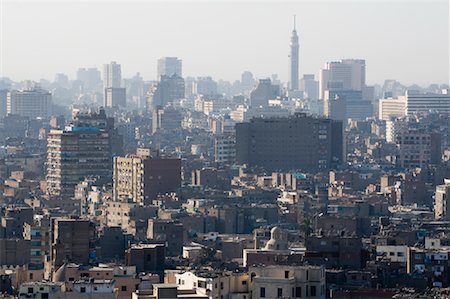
(224,149)
(222,39)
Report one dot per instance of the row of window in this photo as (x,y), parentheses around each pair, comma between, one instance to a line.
(296,292)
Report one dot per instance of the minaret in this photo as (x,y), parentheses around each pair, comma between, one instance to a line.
(294,59)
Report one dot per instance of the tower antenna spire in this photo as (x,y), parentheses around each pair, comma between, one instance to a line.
(295,25)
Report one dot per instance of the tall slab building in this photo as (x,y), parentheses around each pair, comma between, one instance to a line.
(299,142)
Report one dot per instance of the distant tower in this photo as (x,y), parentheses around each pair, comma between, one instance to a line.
(294,59)
(112,75)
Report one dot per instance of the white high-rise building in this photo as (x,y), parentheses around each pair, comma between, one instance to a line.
(414,102)
(391,108)
(33,102)
(417,102)
(112,75)
(294,61)
(347,74)
(168,66)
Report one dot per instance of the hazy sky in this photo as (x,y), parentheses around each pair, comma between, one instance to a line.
(403,40)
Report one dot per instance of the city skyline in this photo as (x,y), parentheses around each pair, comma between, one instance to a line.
(260,46)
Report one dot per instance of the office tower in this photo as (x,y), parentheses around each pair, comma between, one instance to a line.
(168,89)
(72,242)
(205,86)
(414,102)
(166,119)
(391,108)
(62,80)
(141,177)
(310,87)
(115,97)
(287,143)
(33,102)
(112,75)
(169,66)
(135,90)
(423,103)
(80,150)
(294,60)
(351,73)
(263,92)
(442,206)
(247,82)
(346,104)
(91,78)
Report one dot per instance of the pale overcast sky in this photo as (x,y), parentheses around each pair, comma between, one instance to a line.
(403,40)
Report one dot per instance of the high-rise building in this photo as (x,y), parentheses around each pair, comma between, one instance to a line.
(115,97)
(247,82)
(141,177)
(289,143)
(33,102)
(391,108)
(310,87)
(205,86)
(169,66)
(166,119)
(414,102)
(442,204)
(91,78)
(80,150)
(346,104)
(168,89)
(423,103)
(264,92)
(350,74)
(294,60)
(112,75)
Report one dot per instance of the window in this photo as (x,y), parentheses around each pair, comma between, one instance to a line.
(286,274)
(279,292)
(123,288)
(221,285)
(313,291)
(298,292)
(244,282)
(82,290)
(262,292)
